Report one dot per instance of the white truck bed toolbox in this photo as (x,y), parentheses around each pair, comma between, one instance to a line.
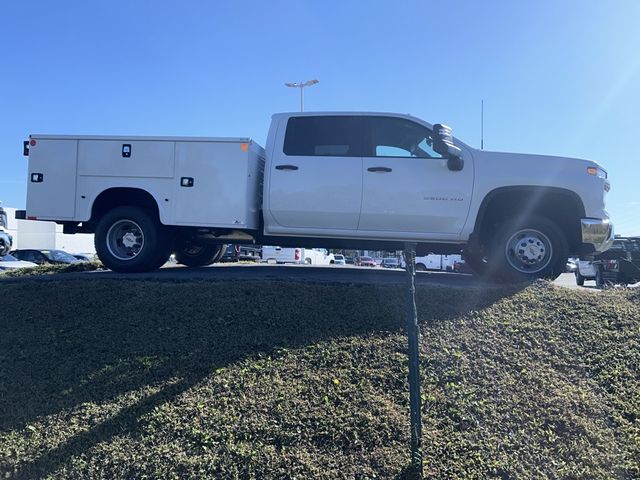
(202,182)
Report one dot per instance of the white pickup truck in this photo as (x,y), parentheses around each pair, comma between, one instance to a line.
(340,180)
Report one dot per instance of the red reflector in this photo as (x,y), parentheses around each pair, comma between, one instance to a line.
(297,257)
(32,142)
(32,218)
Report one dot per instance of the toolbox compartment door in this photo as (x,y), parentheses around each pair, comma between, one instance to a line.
(126,158)
(211,182)
(51,182)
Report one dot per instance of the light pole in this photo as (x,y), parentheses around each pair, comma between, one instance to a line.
(301,86)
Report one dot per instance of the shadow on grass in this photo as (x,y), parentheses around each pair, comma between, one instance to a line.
(74,343)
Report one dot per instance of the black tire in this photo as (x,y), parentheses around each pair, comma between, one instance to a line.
(579,279)
(129,255)
(194,254)
(599,279)
(221,254)
(527,250)
(420,267)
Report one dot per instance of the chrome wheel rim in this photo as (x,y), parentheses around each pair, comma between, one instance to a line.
(125,240)
(529,251)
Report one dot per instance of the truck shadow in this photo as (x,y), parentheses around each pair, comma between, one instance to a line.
(73,344)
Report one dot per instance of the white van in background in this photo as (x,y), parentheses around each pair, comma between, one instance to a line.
(309,256)
(437,262)
(429,262)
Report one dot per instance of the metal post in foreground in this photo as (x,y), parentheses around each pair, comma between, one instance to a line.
(413,333)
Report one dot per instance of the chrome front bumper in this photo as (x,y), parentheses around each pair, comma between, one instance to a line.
(597,232)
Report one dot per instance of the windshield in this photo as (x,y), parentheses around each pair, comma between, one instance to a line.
(339,257)
(618,245)
(633,245)
(60,256)
(8,258)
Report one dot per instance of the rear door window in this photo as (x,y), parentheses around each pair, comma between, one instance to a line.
(324,136)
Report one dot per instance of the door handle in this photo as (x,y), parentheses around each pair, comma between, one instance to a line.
(379,169)
(286,167)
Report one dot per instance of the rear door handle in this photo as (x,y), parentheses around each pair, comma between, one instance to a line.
(286,167)
(379,169)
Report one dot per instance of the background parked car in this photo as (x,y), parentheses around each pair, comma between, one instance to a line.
(42,257)
(5,242)
(390,263)
(81,257)
(462,267)
(585,270)
(339,259)
(9,262)
(242,253)
(365,262)
(618,265)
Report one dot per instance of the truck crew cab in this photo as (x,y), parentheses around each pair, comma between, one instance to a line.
(340,180)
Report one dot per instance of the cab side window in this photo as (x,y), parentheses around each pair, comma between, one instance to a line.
(324,136)
(398,137)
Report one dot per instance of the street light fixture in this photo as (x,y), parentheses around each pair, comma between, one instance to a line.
(301,86)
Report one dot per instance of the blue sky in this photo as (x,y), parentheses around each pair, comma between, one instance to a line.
(557,77)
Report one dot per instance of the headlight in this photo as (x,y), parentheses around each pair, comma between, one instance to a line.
(597,172)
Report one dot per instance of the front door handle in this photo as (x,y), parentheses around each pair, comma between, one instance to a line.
(379,169)
(286,167)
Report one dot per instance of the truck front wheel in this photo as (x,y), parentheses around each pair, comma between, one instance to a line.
(130,239)
(194,254)
(526,250)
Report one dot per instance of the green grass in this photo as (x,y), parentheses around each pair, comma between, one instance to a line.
(127,379)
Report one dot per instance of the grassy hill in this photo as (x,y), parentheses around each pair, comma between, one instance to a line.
(125,379)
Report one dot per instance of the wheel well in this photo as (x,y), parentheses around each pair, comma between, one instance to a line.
(117,197)
(561,206)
